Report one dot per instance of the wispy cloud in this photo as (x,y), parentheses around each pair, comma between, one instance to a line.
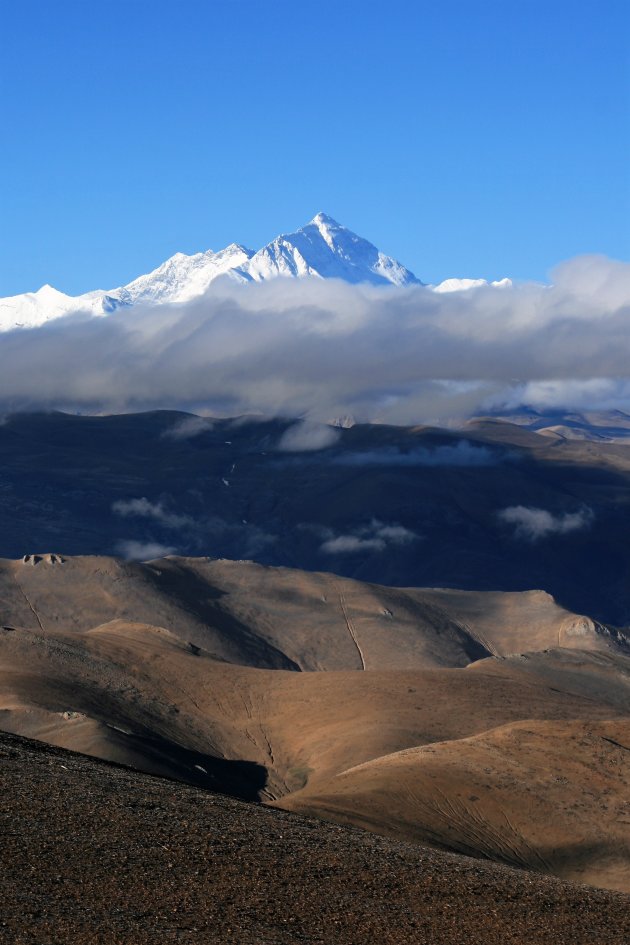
(233,539)
(351,544)
(187,428)
(461,453)
(142,550)
(305,436)
(142,508)
(325,349)
(373,537)
(533,524)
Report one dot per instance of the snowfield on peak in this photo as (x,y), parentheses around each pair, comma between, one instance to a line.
(462,285)
(322,249)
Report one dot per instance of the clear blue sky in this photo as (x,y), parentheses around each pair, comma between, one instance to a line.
(464,137)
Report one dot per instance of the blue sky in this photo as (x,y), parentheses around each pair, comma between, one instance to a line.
(479,138)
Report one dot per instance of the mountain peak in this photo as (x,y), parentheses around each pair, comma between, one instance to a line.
(236,248)
(325,249)
(47,290)
(323,219)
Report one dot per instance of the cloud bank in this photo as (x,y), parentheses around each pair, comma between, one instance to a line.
(323,349)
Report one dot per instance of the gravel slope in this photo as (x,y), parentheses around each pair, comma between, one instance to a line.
(94,853)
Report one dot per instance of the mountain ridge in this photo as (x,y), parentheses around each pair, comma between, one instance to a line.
(322,249)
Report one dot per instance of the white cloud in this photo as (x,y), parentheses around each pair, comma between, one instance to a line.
(373,537)
(306,436)
(394,534)
(244,540)
(534,524)
(187,428)
(142,550)
(142,508)
(350,544)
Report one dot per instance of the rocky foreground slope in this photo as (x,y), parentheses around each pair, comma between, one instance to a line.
(94,854)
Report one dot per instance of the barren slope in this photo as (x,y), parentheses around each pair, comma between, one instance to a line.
(549,796)
(280,618)
(157,666)
(135,693)
(98,855)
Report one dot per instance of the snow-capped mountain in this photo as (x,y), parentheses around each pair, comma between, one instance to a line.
(322,249)
(326,249)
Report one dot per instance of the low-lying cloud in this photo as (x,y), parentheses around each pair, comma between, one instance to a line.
(187,428)
(305,437)
(323,349)
(142,550)
(373,537)
(462,453)
(533,524)
(196,534)
(142,508)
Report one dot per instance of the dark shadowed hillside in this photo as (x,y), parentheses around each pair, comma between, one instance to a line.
(393,505)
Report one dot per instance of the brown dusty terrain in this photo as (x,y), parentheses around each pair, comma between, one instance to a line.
(549,796)
(281,618)
(94,854)
(138,695)
(414,730)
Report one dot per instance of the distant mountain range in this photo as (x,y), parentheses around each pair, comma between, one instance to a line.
(322,249)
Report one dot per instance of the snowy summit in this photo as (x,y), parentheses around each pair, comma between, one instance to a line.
(326,249)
